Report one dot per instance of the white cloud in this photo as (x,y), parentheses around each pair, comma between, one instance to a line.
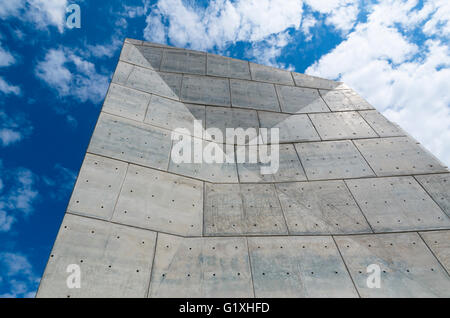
(7,88)
(223,22)
(13,128)
(17,195)
(71,75)
(340,14)
(16,272)
(410,86)
(265,52)
(308,22)
(6,58)
(42,13)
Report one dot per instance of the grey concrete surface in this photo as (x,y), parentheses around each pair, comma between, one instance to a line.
(408,269)
(144,56)
(114,260)
(298,267)
(398,156)
(438,187)
(126,102)
(201,267)
(97,187)
(300,100)
(128,140)
(255,95)
(227,67)
(313,82)
(140,223)
(439,244)
(332,160)
(233,209)
(183,62)
(322,207)
(397,203)
(292,128)
(382,126)
(342,125)
(223,172)
(159,83)
(290,167)
(171,114)
(337,100)
(161,202)
(270,74)
(205,90)
(223,118)
(123,70)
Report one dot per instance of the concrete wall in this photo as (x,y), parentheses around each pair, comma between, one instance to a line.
(352,189)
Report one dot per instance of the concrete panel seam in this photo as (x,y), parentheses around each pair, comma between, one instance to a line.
(359,151)
(432,253)
(430,194)
(251,267)
(314,126)
(354,199)
(345,264)
(152,268)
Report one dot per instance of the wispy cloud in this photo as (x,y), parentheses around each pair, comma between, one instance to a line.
(13,128)
(382,62)
(41,13)
(17,276)
(17,195)
(72,75)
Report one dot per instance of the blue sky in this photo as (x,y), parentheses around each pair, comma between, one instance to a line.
(53,80)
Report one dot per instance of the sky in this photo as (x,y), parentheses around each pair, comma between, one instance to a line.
(53,80)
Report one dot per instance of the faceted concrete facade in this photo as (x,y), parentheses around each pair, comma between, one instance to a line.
(352,191)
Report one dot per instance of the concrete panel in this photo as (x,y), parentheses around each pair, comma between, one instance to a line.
(439,243)
(205,90)
(313,82)
(397,204)
(122,72)
(292,128)
(343,125)
(438,187)
(252,209)
(135,42)
(184,62)
(128,140)
(170,114)
(227,67)
(256,95)
(358,102)
(201,267)
(160,201)
(322,207)
(300,100)
(212,172)
(298,267)
(332,160)
(163,84)
(126,102)
(223,118)
(97,187)
(114,260)
(382,126)
(337,100)
(270,74)
(144,56)
(290,168)
(398,156)
(408,269)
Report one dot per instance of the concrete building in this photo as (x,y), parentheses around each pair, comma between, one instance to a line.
(354,198)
